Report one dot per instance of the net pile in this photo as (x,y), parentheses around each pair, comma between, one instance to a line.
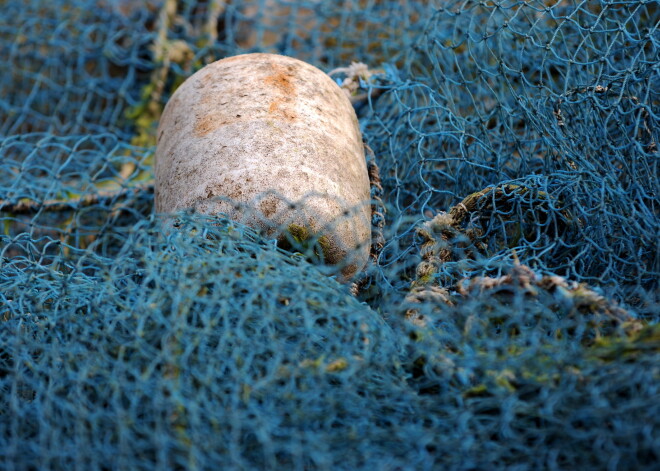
(507,319)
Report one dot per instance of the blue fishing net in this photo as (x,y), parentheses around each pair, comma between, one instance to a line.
(507,318)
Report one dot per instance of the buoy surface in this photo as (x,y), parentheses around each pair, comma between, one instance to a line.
(279,138)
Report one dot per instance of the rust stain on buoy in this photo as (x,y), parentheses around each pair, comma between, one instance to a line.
(282,81)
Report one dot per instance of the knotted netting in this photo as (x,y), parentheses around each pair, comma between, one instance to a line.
(507,318)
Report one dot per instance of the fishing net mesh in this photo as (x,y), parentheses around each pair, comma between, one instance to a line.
(507,318)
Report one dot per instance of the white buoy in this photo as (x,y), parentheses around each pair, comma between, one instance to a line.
(266,131)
